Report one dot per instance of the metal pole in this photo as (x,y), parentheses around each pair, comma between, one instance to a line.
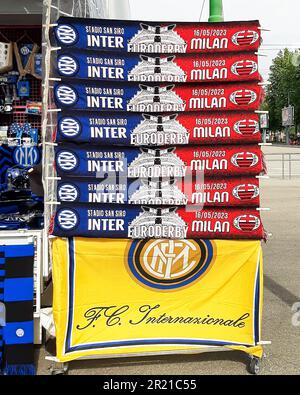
(216,11)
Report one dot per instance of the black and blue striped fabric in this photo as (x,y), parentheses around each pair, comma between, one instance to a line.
(2,312)
(18,332)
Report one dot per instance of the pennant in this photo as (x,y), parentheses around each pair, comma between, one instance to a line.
(157,37)
(218,192)
(158,130)
(140,222)
(71,160)
(73,63)
(135,97)
(121,297)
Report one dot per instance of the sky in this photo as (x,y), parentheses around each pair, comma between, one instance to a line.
(279,16)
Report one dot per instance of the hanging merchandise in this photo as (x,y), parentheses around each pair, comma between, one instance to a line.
(73,160)
(6,55)
(158,130)
(218,192)
(24,54)
(73,63)
(135,97)
(17,349)
(139,222)
(157,37)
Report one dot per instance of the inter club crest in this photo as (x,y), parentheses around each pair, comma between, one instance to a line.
(169,264)
(69,127)
(244,68)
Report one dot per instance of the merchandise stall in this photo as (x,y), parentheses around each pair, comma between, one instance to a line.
(152,165)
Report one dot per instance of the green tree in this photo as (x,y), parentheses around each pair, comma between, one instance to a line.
(285,87)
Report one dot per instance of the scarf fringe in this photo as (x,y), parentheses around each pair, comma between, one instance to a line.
(19,370)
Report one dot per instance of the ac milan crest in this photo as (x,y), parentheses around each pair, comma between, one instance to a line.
(243,97)
(245,38)
(159,130)
(245,192)
(246,127)
(157,70)
(247,223)
(244,68)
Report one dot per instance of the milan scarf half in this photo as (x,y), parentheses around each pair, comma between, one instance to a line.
(157,37)
(158,130)
(16,291)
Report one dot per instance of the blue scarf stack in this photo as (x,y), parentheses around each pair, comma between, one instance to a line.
(18,333)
